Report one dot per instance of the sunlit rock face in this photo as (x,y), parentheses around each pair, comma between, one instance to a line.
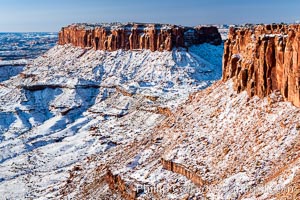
(264,58)
(133,36)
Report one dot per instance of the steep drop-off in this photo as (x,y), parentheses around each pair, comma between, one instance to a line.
(134,36)
(264,58)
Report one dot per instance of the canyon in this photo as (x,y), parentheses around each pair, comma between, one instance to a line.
(72,103)
(134,36)
(260,71)
(149,111)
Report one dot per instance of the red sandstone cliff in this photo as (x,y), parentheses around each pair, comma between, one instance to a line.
(136,36)
(264,58)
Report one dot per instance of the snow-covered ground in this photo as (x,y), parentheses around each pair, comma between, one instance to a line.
(224,33)
(236,147)
(241,147)
(20,47)
(75,120)
(71,104)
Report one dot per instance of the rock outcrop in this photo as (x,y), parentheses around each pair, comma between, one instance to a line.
(133,36)
(116,183)
(264,58)
(180,169)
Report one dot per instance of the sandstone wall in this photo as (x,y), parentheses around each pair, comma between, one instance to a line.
(133,36)
(264,58)
(179,169)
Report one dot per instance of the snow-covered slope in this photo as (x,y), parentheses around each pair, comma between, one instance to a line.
(217,145)
(72,104)
(85,124)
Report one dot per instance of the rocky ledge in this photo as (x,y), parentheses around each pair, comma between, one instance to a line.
(264,58)
(133,36)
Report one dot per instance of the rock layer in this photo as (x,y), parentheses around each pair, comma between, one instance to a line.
(264,58)
(134,36)
(180,169)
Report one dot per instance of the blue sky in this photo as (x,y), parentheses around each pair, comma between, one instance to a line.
(51,15)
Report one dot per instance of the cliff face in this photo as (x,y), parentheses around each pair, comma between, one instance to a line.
(180,169)
(136,36)
(262,59)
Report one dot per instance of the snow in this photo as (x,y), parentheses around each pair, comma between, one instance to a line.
(74,113)
(66,108)
(19,62)
(239,141)
(223,137)
(273,35)
(119,26)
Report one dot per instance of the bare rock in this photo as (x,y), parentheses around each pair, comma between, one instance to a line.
(264,58)
(134,36)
